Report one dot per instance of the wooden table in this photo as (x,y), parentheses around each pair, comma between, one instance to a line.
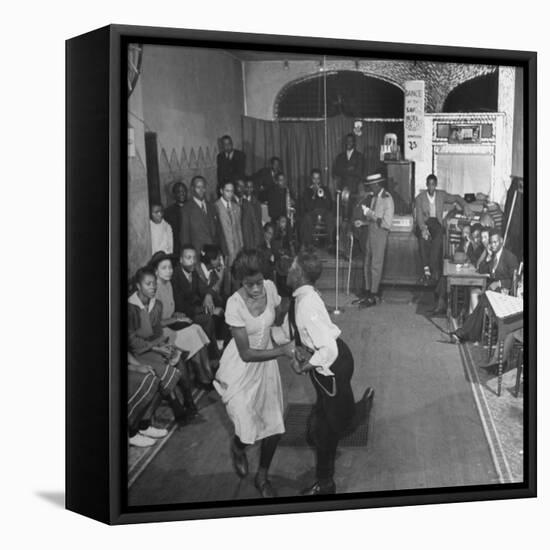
(508,314)
(461,275)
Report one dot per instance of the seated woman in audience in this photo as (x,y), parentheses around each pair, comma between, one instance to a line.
(148,343)
(211,271)
(143,399)
(162,237)
(179,328)
(481,254)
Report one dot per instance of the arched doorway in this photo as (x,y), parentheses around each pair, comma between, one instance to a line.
(348,93)
(478,95)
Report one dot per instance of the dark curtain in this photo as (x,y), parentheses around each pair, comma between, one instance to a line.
(301,146)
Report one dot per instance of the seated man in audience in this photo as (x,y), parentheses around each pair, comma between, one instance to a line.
(193,298)
(174,213)
(316,203)
(429,206)
(500,264)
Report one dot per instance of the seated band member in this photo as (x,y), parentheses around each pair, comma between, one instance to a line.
(500,265)
(316,204)
(277,197)
(429,206)
(325,356)
(264,179)
(248,379)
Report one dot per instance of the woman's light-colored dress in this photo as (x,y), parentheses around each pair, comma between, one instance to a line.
(190,339)
(251,392)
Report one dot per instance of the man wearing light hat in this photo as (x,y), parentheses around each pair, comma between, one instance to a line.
(378,217)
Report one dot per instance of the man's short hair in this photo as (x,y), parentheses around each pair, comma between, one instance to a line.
(311,264)
(223,184)
(315,171)
(477,227)
(196,179)
(273,159)
(227,136)
(350,135)
(187,246)
(494,232)
(177,184)
(431,177)
(278,174)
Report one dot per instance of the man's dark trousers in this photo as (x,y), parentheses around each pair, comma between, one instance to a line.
(431,250)
(333,411)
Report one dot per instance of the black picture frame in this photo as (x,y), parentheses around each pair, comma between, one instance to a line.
(96,175)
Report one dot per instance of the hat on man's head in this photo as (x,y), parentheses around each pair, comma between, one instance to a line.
(374,178)
(160,256)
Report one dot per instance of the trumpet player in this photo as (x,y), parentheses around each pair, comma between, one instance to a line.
(317,204)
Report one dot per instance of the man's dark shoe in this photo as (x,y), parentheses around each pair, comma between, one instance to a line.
(320,489)
(240,462)
(369,302)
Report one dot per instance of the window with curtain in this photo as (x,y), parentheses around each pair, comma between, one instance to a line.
(465,173)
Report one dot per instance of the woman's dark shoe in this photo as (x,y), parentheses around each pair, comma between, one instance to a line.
(264,487)
(369,302)
(319,488)
(240,462)
(191,411)
(456,336)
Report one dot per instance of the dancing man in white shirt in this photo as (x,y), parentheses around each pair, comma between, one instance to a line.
(325,356)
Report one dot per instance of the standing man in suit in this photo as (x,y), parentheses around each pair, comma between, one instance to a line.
(349,166)
(231,235)
(360,228)
(199,220)
(265,177)
(500,264)
(378,218)
(230,162)
(174,213)
(429,206)
(251,217)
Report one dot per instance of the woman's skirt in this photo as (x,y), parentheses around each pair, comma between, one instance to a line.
(190,339)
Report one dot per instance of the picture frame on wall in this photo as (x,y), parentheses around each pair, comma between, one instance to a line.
(216,182)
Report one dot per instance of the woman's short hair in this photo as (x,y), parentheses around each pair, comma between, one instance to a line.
(477,227)
(311,264)
(210,252)
(249,262)
(140,274)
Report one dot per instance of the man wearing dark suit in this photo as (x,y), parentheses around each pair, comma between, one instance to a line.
(349,166)
(193,297)
(251,217)
(174,213)
(199,221)
(500,264)
(230,162)
(429,206)
(277,198)
(264,179)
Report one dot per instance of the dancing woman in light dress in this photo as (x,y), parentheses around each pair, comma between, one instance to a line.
(248,379)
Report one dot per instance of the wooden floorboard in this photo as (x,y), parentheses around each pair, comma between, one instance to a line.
(425,428)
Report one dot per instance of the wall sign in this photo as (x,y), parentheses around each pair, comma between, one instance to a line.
(414,119)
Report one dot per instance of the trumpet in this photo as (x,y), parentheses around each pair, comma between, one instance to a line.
(320,193)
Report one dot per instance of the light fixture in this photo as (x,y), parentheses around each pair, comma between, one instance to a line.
(357,64)
(285,65)
(321,66)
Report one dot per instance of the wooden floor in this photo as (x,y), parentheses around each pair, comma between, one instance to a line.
(426,431)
